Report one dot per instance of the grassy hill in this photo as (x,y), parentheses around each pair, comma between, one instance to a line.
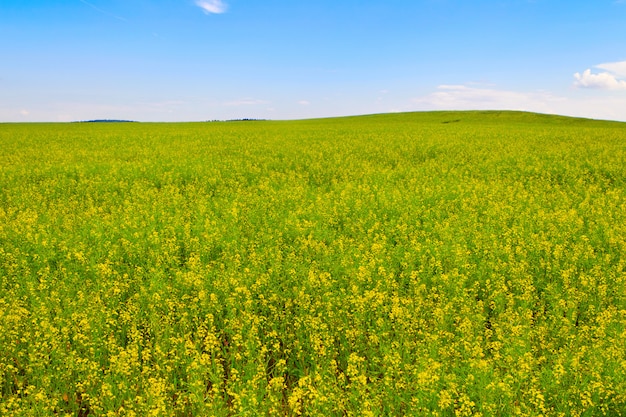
(435,263)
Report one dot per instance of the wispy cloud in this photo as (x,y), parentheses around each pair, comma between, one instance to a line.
(612,78)
(617,68)
(470,97)
(246,102)
(99,10)
(463,97)
(304,102)
(212,6)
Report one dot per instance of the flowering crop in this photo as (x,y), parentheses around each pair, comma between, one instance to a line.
(444,264)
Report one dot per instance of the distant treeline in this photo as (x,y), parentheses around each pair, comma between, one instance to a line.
(243,120)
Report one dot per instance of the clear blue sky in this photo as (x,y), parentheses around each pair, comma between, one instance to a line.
(179,60)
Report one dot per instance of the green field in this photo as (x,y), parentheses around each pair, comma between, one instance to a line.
(445,263)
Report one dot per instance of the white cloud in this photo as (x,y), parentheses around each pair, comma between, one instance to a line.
(24,112)
(212,6)
(610,79)
(617,68)
(602,81)
(304,102)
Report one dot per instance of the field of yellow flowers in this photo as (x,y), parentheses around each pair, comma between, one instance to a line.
(442,264)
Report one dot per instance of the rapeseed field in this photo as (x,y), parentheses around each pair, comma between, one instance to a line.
(427,264)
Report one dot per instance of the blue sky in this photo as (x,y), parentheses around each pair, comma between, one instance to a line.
(185,60)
